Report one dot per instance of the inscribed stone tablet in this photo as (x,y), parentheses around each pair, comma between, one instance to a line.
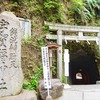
(11,76)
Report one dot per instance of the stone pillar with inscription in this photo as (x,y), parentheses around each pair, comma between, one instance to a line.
(11,76)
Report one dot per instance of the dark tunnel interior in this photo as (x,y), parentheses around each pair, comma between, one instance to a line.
(82,69)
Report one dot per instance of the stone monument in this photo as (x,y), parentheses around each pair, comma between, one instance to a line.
(11,76)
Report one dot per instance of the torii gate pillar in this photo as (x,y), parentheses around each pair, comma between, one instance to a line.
(59,54)
(99,43)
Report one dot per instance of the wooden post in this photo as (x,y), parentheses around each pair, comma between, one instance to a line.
(50,62)
(59,54)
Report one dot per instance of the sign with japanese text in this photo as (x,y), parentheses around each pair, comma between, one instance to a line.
(11,75)
(46,68)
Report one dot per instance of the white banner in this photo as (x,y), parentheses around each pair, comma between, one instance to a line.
(66,62)
(46,68)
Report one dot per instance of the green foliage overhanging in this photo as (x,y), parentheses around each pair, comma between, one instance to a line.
(81,12)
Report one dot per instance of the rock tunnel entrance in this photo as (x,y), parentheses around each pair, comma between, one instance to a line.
(82,69)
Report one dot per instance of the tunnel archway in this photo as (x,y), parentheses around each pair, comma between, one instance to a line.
(83,68)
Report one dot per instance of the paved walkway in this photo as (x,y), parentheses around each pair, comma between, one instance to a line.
(81,92)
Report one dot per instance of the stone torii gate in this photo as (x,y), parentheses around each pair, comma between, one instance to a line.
(71,28)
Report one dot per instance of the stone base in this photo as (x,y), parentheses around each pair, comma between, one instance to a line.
(24,95)
(56,90)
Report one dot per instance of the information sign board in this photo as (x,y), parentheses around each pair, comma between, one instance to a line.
(46,68)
